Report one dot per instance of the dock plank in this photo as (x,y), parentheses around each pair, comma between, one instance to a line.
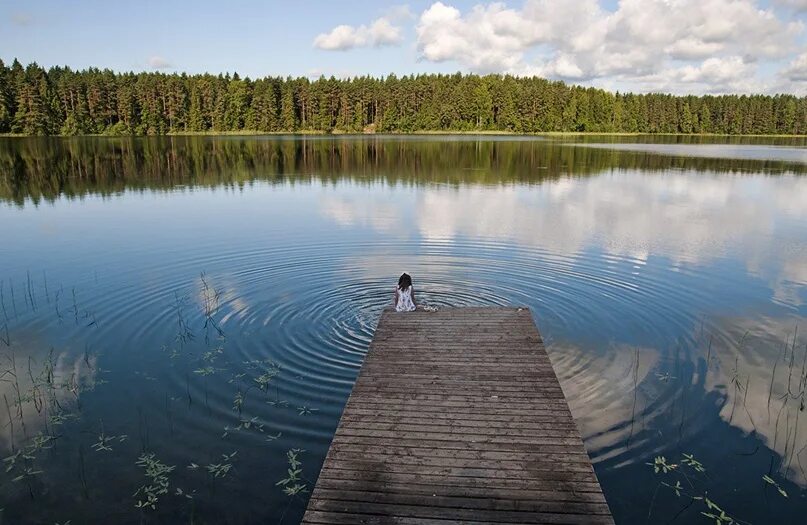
(457,416)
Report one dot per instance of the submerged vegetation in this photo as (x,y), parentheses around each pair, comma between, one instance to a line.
(46,423)
(60,101)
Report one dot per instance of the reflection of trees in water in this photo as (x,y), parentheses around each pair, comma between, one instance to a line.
(43,169)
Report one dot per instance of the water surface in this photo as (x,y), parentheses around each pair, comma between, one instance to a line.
(195,298)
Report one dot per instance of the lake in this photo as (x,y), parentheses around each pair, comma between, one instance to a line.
(183,317)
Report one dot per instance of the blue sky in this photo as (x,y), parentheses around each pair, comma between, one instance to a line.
(251,37)
(641,45)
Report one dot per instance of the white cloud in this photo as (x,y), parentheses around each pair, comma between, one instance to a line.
(158,62)
(379,33)
(797,69)
(729,74)
(692,48)
(489,38)
(644,42)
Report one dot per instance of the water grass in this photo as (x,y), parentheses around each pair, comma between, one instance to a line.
(3,300)
(82,474)
(692,472)
(148,495)
(13,300)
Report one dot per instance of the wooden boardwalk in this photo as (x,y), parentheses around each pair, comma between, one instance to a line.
(457,417)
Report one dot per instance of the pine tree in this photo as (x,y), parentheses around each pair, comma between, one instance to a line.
(237,101)
(685,123)
(705,119)
(34,109)
(6,99)
(288,113)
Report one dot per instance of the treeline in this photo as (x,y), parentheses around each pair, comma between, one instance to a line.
(60,101)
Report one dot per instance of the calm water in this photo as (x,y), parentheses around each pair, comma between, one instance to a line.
(195,298)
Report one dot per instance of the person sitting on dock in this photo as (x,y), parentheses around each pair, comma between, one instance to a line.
(405,294)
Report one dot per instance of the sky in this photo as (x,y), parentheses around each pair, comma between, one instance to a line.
(678,46)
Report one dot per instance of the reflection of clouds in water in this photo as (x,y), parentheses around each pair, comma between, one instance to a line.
(686,217)
(220,292)
(767,394)
(715,151)
(689,218)
(71,375)
(382,213)
(790,288)
(600,392)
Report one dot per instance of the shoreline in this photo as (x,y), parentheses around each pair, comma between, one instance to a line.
(255,133)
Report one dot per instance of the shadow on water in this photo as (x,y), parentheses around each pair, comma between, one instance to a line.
(676,416)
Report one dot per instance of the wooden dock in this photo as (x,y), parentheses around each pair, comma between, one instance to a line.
(457,417)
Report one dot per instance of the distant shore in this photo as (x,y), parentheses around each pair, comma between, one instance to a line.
(255,133)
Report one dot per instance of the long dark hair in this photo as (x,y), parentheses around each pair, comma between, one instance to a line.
(404,281)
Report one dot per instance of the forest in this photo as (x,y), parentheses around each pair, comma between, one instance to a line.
(61,101)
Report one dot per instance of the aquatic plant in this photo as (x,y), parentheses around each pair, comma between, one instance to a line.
(693,463)
(211,355)
(172,351)
(184,332)
(60,418)
(244,424)
(770,481)
(82,473)
(238,401)
(157,473)
(660,465)
(104,442)
(304,410)
(713,511)
(293,484)
(265,378)
(220,470)
(210,307)
(205,371)
(184,494)
(22,461)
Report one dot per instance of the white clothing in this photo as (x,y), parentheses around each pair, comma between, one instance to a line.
(405,302)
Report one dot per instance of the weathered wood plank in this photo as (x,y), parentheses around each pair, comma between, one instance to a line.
(434,500)
(457,514)
(381,479)
(461,444)
(466,421)
(425,489)
(562,457)
(457,416)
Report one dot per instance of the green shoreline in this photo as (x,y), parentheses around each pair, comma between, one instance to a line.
(254,133)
